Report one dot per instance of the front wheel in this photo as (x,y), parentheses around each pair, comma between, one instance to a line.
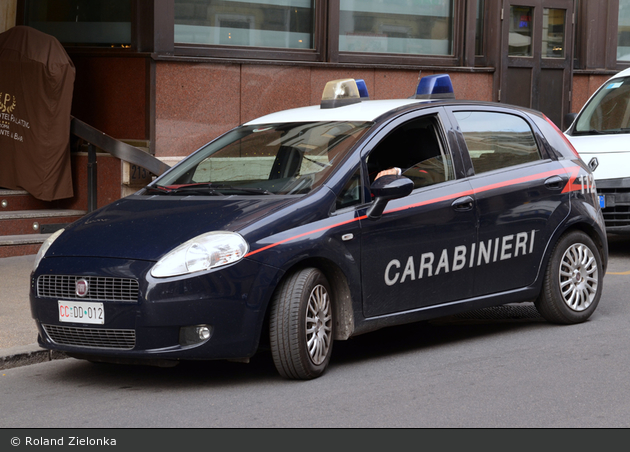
(573,280)
(301,325)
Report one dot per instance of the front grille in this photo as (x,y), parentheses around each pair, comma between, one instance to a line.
(617,210)
(91,337)
(99,288)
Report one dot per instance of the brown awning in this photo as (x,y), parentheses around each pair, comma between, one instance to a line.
(36,84)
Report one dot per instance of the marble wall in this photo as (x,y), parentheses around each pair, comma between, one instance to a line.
(111,94)
(196,102)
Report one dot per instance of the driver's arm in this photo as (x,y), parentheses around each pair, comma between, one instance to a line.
(391,171)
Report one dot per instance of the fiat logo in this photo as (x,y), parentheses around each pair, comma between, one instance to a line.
(81,288)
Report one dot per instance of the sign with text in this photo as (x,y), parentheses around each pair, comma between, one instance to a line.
(36,85)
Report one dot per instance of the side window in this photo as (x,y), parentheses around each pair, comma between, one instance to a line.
(415,148)
(497,140)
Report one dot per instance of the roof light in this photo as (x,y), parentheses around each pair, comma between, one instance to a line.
(437,86)
(363,91)
(338,93)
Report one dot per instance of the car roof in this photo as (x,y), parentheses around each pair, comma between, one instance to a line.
(371,110)
(364,111)
(624,73)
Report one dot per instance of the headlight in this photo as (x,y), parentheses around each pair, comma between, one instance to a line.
(204,252)
(42,250)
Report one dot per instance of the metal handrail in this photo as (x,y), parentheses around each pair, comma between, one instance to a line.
(97,139)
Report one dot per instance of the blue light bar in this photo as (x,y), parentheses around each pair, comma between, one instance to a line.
(363,91)
(437,86)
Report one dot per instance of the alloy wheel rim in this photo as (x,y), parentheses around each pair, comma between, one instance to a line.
(318,324)
(579,277)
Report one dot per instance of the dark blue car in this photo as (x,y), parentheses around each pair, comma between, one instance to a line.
(317,224)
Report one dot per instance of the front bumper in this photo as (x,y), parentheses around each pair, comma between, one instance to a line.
(616,203)
(231,301)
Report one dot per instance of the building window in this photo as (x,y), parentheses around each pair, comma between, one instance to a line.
(553,33)
(398,32)
(285,24)
(423,27)
(623,33)
(82,22)
(520,35)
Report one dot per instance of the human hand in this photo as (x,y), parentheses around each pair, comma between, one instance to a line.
(389,172)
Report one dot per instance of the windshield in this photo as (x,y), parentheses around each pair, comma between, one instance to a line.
(287,158)
(608,111)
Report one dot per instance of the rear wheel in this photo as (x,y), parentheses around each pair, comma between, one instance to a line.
(301,325)
(573,281)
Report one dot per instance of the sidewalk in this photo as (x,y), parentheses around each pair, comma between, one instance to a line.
(18,333)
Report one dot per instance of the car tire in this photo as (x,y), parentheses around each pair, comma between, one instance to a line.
(573,280)
(301,325)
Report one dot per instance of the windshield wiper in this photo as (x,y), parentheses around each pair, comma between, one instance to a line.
(249,190)
(157,188)
(207,189)
(201,189)
(603,132)
(588,132)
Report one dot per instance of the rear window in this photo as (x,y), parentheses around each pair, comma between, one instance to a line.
(497,140)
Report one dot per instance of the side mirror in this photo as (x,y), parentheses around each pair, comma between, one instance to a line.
(386,188)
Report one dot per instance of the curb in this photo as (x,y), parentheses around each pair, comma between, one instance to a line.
(24,355)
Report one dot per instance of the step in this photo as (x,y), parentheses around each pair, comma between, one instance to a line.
(21,245)
(11,200)
(38,221)
(23,231)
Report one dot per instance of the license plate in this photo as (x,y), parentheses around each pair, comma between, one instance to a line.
(602,201)
(81,312)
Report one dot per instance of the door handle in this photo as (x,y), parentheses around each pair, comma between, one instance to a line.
(464,203)
(554,183)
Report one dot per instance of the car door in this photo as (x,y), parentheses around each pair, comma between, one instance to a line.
(519,196)
(415,255)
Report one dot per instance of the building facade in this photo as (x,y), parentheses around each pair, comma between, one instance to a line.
(178,73)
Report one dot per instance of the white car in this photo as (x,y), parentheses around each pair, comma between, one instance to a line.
(601,135)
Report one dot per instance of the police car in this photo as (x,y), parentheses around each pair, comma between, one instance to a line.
(600,134)
(313,225)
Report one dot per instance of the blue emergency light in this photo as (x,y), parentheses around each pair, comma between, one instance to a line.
(363,91)
(338,93)
(436,86)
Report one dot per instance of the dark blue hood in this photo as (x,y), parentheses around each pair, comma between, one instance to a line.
(141,227)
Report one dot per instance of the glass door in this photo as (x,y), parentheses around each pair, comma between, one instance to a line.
(537,49)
